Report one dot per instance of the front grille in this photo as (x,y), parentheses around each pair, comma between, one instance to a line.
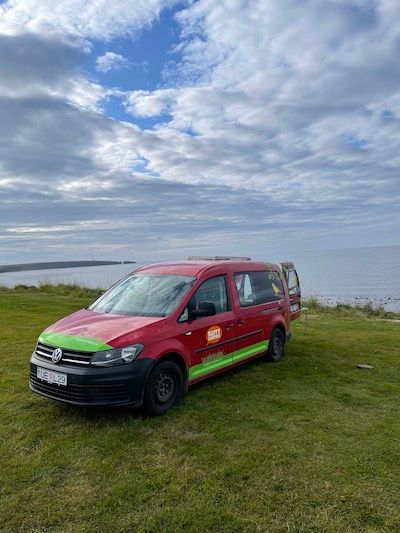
(106,394)
(71,357)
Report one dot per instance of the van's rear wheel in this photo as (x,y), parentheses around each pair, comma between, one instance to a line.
(276,346)
(163,389)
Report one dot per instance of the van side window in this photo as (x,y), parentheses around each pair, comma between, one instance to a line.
(212,290)
(293,282)
(244,288)
(256,288)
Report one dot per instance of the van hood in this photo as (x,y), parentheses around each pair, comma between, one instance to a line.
(88,331)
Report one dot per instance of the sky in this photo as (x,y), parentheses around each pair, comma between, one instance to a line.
(157,129)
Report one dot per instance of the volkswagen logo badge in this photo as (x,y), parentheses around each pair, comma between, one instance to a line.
(56,355)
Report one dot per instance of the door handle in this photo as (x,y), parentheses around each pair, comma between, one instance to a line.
(241,322)
(228,327)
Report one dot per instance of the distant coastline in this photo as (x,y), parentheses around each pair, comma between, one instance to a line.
(58,264)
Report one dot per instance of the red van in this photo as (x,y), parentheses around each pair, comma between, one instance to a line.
(164,327)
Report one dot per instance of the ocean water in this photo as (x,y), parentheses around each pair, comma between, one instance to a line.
(353,276)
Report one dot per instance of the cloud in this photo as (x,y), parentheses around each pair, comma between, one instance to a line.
(111,61)
(97,19)
(274,93)
(52,130)
(150,103)
(278,128)
(41,67)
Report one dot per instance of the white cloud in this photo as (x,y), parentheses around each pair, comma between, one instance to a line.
(94,19)
(278,95)
(111,61)
(150,103)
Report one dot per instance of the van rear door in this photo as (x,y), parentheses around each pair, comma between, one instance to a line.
(293,284)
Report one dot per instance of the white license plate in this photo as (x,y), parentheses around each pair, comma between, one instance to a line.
(294,307)
(51,377)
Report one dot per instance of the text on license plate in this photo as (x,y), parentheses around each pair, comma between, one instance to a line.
(51,377)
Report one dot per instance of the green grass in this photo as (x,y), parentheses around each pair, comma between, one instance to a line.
(308,445)
(61,289)
(367,310)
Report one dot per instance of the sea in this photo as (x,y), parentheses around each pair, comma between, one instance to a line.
(355,276)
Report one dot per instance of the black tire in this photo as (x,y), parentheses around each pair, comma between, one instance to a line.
(276,346)
(164,388)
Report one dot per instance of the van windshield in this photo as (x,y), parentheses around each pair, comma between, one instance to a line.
(144,295)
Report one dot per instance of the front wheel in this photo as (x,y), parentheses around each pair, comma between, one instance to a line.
(276,346)
(163,389)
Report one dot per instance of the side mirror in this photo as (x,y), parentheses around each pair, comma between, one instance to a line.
(204,309)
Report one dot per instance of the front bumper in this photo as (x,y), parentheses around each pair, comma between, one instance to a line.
(94,386)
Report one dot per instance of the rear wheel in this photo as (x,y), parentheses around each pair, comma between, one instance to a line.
(163,389)
(276,346)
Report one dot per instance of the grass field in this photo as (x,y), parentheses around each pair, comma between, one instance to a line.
(308,445)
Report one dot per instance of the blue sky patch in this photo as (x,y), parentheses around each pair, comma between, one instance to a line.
(356,142)
(147,56)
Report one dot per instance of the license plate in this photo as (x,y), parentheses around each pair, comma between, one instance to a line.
(294,307)
(51,377)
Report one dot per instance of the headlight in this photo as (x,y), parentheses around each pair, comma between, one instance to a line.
(117,356)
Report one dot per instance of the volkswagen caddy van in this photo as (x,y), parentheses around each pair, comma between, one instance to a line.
(163,328)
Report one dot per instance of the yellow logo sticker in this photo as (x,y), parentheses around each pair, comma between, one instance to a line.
(276,289)
(214,333)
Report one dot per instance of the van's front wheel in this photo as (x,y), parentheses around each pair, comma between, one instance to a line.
(163,389)
(276,346)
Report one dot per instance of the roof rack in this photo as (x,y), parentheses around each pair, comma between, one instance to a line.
(217,258)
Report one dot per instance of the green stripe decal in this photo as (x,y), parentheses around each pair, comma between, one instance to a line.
(73,342)
(210,366)
(251,350)
(227,359)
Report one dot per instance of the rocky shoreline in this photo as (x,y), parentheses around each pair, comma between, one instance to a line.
(388,303)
